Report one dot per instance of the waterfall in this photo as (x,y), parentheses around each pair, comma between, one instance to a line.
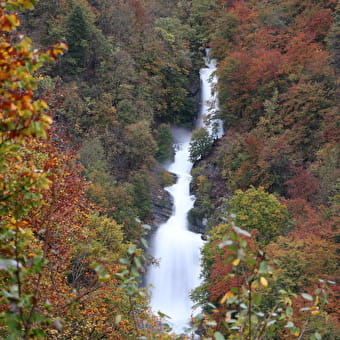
(175,247)
(209,99)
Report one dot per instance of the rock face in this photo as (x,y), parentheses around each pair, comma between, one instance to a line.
(161,200)
(210,202)
(195,90)
(196,224)
(161,207)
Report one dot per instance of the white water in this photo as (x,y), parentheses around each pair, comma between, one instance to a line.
(209,100)
(177,248)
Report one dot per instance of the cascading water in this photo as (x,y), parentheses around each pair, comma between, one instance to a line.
(209,100)
(177,248)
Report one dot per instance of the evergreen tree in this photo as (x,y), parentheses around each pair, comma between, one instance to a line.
(77,38)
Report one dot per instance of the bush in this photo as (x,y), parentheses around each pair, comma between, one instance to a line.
(200,145)
(164,143)
(257,209)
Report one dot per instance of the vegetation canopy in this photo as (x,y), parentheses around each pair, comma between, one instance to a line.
(89,91)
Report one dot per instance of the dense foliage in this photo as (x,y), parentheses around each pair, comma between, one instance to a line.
(84,124)
(278,163)
(131,69)
(71,193)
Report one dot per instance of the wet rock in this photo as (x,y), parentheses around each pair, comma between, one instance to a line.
(195,90)
(210,205)
(161,200)
(197,222)
(162,205)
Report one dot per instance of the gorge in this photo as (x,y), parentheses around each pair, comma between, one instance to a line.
(94,98)
(175,247)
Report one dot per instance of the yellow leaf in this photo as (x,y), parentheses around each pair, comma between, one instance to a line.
(226,296)
(264,282)
(22,224)
(315,310)
(236,262)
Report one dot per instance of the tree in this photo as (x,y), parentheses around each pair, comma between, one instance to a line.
(78,35)
(164,143)
(141,147)
(200,145)
(88,47)
(256,209)
(238,311)
(23,121)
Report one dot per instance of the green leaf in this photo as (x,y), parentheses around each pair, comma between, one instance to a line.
(37,333)
(144,242)
(289,324)
(13,325)
(271,322)
(317,336)
(304,309)
(263,268)
(307,297)
(137,262)
(243,243)
(209,304)
(9,264)
(234,290)
(242,231)
(219,336)
(124,261)
(233,247)
(132,249)
(289,311)
(162,315)
(199,317)
(225,243)
(146,227)
(257,299)
(295,331)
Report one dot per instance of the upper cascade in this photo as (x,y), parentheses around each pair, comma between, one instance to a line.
(209,99)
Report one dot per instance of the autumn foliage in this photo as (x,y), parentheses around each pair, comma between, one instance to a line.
(59,258)
(81,127)
(278,86)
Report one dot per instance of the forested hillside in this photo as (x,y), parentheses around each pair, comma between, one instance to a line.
(86,105)
(76,192)
(275,173)
(130,70)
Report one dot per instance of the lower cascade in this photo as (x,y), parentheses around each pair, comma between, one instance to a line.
(175,247)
